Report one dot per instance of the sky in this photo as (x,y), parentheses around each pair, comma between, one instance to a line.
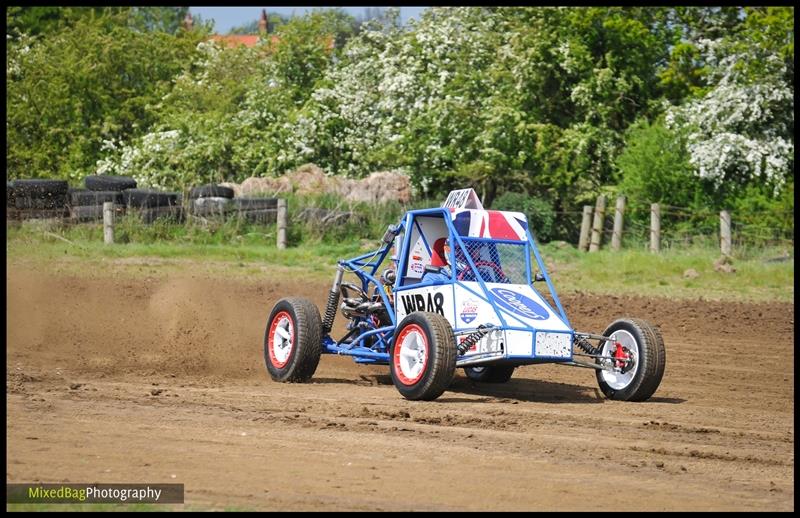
(226,18)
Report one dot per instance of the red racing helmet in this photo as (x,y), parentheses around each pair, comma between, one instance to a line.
(438,255)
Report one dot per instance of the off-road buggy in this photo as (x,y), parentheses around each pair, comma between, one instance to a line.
(483,313)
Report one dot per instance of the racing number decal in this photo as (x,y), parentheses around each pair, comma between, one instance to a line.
(433,303)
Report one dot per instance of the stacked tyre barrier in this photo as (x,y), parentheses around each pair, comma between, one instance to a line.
(86,204)
(148,204)
(210,201)
(218,202)
(152,205)
(40,198)
(37,198)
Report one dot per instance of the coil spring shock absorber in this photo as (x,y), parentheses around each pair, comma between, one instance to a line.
(586,347)
(333,301)
(473,338)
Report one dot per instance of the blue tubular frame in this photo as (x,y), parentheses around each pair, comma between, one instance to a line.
(366,265)
(471,263)
(552,290)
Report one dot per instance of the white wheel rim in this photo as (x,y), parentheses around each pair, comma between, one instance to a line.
(413,354)
(478,370)
(618,380)
(282,340)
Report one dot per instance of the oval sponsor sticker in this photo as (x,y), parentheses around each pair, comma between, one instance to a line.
(519,304)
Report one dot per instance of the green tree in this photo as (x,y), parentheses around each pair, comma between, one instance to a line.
(164,19)
(43,20)
(654,168)
(35,21)
(302,52)
(772,28)
(84,87)
(696,23)
(337,24)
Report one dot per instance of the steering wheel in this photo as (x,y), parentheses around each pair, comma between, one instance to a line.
(346,287)
(500,276)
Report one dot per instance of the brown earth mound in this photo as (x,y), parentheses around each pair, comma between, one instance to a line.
(378,187)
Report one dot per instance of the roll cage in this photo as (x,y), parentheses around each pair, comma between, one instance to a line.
(369,341)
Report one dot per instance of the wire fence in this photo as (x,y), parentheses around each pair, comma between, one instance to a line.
(751,232)
(684,227)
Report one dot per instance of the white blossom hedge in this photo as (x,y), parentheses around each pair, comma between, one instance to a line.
(742,129)
(526,99)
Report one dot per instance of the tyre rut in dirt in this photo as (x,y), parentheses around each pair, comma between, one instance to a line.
(423,356)
(210,191)
(293,340)
(644,377)
(103,182)
(490,373)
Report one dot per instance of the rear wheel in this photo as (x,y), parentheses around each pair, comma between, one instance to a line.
(490,373)
(639,360)
(423,356)
(293,340)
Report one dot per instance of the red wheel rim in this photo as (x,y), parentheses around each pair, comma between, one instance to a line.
(410,356)
(280,339)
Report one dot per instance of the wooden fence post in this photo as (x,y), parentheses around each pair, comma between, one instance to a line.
(108,222)
(725,232)
(616,236)
(281,223)
(597,227)
(586,224)
(655,227)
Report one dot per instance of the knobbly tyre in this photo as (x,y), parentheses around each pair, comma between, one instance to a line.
(471,304)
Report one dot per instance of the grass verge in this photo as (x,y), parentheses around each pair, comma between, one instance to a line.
(669,274)
(760,277)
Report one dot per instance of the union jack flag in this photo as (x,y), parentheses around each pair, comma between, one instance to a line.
(490,224)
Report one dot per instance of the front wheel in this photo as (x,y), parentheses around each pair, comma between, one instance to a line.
(490,373)
(639,357)
(293,340)
(423,356)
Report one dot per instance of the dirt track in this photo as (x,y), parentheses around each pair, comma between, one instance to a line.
(162,380)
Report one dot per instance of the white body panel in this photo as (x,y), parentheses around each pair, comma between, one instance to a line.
(520,306)
(520,343)
(465,308)
(434,299)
